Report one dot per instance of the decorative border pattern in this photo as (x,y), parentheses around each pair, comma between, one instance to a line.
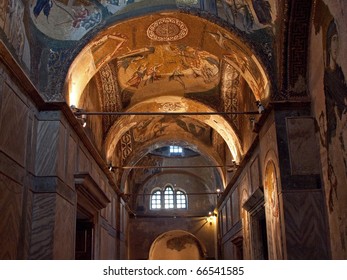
(167,29)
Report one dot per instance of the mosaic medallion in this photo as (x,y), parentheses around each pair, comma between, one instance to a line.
(167,29)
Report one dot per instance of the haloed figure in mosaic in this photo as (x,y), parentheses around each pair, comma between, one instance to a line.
(336,103)
(272,202)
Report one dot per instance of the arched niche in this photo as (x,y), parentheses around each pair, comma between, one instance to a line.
(177,245)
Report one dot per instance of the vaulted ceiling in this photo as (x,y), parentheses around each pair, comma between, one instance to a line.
(184,72)
(173,63)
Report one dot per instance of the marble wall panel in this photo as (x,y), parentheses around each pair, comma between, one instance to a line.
(224,220)
(71,161)
(13,125)
(227,250)
(111,249)
(107,246)
(103,213)
(31,143)
(11,211)
(23,253)
(11,168)
(43,221)
(228,205)
(114,212)
(305,229)
(62,152)
(255,174)
(109,208)
(94,172)
(303,148)
(64,230)
(123,250)
(235,204)
(47,148)
(103,244)
(83,163)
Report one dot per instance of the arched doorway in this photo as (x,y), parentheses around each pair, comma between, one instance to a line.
(176,245)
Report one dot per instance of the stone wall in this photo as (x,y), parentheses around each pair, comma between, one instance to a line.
(275,207)
(17,166)
(42,157)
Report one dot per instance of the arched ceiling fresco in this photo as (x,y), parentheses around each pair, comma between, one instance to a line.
(153,56)
(190,61)
(170,62)
(72,19)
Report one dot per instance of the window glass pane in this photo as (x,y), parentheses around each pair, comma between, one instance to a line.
(156,200)
(181,200)
(176,150)
(168,198)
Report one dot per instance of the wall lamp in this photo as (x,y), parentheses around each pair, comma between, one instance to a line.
(79,114)
(212,216)
(232,167)
(261,108)
(110,167)
(218,192)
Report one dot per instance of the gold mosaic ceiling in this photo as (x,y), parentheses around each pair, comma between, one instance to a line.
(169,63)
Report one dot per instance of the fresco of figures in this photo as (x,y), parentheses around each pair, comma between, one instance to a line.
(272,212)
(150,70)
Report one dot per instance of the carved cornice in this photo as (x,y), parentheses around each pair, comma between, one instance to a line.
(87,188)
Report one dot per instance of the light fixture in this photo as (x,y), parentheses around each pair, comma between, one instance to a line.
(80,115)
(110,167)
(211,217)
(232,167)
(261,108)
(218,192)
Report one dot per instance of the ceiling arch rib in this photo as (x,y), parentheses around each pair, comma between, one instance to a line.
(175,104)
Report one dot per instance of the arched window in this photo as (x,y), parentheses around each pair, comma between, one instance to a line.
(181,200)
(168,199)
(156,200)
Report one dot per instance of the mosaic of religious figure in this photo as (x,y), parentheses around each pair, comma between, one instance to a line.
(115,6)
(263,11)
(42,6)
(183,67)
(272,212)
(335,89)
(248,15)
(148,129)
(155,127)
(65,20)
